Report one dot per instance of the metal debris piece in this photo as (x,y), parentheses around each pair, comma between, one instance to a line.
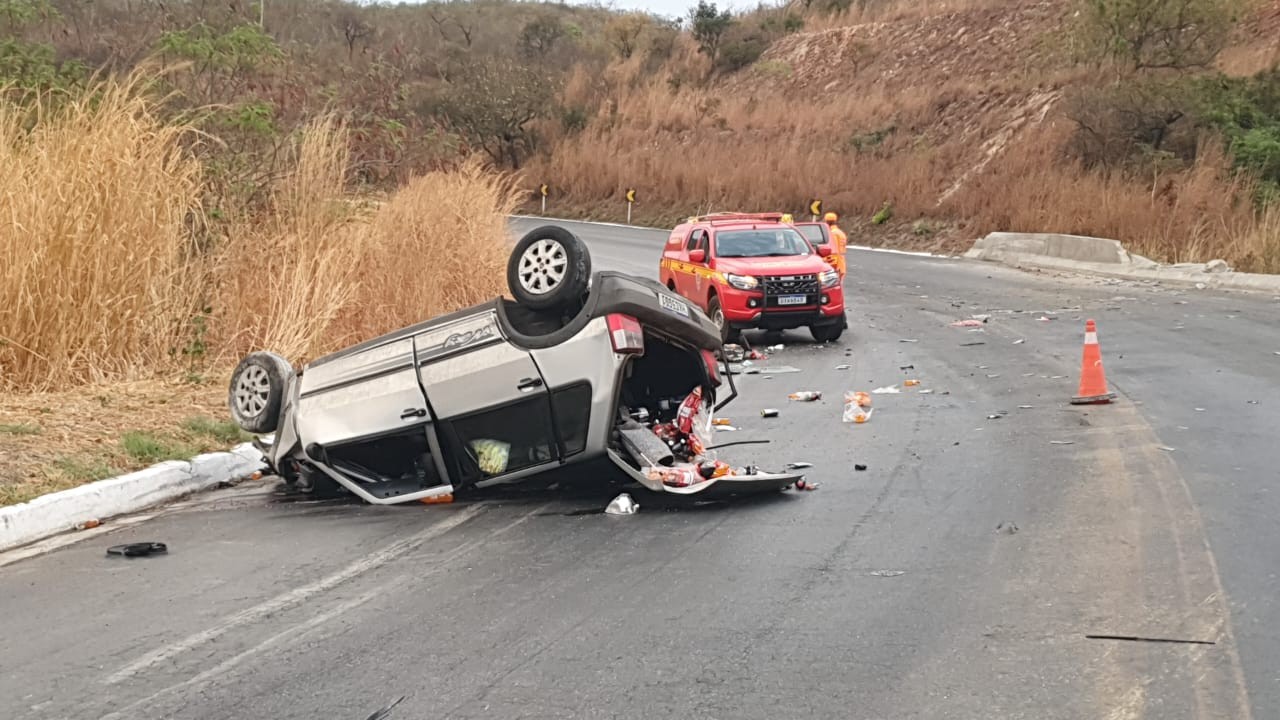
(971,344)
(926,392)
(906,367)
(799,465)
(622,505)
(842,367)
(1166,448)
(1025,407)
(915,340)
(769,413)
(887,573)
(1062,442)
(1019,341)
(778,370)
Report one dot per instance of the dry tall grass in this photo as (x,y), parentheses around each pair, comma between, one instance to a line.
(100,278)
(285,277)
(436,245)
(97,197)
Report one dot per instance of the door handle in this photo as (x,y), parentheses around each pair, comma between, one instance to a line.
(529,384)
(413,413)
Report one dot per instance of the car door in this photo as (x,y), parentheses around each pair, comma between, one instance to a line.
(693,278)
(489,398)
(363,413)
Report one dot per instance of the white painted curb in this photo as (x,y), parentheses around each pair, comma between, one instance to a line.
(62,511)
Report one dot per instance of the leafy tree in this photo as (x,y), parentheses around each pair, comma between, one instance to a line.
(708,26)
(1160,34)
(623,33)
(29,65)
(491,105)
(539,36)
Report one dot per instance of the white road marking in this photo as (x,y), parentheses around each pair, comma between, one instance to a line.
(293,597)
(297,632)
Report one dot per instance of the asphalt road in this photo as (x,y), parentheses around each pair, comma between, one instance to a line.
(901,591)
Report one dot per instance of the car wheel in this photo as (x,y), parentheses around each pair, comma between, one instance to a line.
(826,333)
(257,391)
(549,268)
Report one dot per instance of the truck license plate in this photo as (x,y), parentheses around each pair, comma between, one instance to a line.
(792,300)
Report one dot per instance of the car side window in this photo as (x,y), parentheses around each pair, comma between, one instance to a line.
(695,239)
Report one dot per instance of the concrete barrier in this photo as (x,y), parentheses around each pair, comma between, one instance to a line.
(59,512)
(1100,256)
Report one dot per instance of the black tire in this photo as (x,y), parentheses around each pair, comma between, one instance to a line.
(826,333)
(549,268)
(728,333)
(257,391)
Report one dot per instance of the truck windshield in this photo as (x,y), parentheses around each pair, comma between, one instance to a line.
(774,242)
(813,233)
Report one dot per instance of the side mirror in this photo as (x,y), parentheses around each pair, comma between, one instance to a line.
(698,256)
(824,250)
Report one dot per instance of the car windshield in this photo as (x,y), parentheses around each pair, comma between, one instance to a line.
(774,242)
(812,233)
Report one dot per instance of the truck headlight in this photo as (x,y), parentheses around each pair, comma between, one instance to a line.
(742,282)
(830,278)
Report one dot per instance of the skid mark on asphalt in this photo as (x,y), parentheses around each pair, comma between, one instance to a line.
(293,597)
(301,631)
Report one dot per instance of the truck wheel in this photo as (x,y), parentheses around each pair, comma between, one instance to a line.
(257,390)
(826,333)
(549,268)
(716,313)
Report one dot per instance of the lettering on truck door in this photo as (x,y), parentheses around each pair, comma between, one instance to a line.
(693,274)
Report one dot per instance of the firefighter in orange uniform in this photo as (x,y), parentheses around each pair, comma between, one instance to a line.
(839,242)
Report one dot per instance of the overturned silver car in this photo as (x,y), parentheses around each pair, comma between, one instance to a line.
(580,368)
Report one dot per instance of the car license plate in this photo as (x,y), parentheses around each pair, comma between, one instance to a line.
(792,299)
(673,305)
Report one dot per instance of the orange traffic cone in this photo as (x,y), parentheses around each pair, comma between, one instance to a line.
(1093,381)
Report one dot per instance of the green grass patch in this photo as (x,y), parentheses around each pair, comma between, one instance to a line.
(63,474)
(20,429)
(148,448)
(223,432)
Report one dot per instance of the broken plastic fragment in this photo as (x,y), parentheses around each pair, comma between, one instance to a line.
(886,390)
(1025,407)
(779,369)
(775,348)
(860,467)
(887,573)
(1019,341)
(1044,319)
(799,465)
(914,340)
(805,395)
(1166,448)
(910,383)
(967,323)
(842,367)
(926,392)
(972,344)
(1062,442)
(622,505)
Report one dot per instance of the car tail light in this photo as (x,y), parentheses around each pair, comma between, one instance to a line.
(625,334)
(713,366)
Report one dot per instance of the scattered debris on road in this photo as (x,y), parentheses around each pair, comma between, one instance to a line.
(1166,448)
(906,367)
(859,467)
(927,392)
(910,383)
(622,505)
(1062,442)
(88,524)
(384,713)
(445,499)
(887,573)
(886,390)
(842,367)
(995,416)
(992,376)
(799,465)
(734,353)
(769,413)
(775,348)
(968,323)
(805,395)
(1019,341)
(779,370)
(912,340)
(138,549)
(1025,407)
(1139,638)
(1007,527)
(857,407)
(1042,318)
(972,344)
